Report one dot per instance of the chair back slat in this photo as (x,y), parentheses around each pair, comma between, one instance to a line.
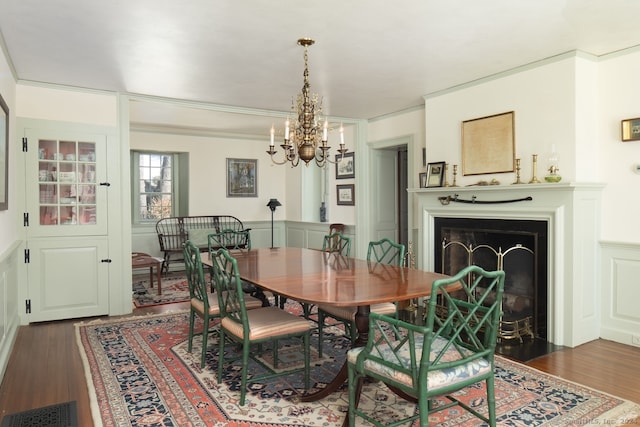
(230,239)
(392,333)
(386,251)
(337,243)
(229,288)
(195,273)
(468,324)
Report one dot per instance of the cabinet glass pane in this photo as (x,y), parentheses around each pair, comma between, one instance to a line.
(67,182)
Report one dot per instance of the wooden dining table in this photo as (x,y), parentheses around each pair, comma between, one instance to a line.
(318,277)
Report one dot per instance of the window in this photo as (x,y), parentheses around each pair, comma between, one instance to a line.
(155,185)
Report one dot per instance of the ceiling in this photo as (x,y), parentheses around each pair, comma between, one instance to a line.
(371,57)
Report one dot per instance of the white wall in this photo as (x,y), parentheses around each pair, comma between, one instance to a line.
(297,188)
(8,218)
(575,103)
(409,123)
(341,213)
(618,99)
(10,242)
(67,105)
(207,173)
(406,126)
(543,99)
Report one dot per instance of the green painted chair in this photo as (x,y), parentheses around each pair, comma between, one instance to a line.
(202,303)
(337,243)
(230,240)
(384,251)
(248,327)
(236,240)
(453,350)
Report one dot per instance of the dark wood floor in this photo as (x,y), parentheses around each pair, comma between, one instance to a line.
(45,368)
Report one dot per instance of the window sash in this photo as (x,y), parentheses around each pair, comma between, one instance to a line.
(151,204)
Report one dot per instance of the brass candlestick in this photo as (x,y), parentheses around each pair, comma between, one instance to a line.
(410,261)
(455,172)
(534,178)
(518,172)
(446,175)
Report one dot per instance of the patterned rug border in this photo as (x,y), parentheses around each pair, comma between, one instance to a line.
(93,397)
(626,413)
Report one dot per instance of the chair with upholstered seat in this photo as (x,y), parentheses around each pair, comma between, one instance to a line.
(384,251)
(453,350)
(202,303)
(236,240)
(247,327)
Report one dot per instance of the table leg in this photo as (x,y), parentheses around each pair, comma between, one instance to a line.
(362,325)
(159,274)
(151,275)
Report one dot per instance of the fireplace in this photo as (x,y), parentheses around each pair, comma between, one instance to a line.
(519,247)
(568,272)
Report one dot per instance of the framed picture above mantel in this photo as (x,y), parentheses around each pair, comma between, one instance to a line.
(488,144)
(435,174)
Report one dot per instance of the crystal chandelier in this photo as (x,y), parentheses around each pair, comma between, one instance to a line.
(305,136)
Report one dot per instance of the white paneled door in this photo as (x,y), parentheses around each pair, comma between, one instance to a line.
(384,217)
(68,278)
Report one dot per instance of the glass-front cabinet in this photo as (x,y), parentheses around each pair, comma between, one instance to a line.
(67,181)
(71,192)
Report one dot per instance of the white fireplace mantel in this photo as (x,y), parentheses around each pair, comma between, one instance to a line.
(572,212)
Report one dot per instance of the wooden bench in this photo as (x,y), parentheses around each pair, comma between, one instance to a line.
(174,231)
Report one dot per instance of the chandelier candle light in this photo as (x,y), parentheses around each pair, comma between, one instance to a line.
(305,138)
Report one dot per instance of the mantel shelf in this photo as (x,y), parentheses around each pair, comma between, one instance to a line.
(562,186)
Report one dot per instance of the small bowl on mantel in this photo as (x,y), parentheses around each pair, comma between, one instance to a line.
(552,178)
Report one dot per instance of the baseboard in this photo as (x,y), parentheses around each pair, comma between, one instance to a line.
(6,346)
(619,336)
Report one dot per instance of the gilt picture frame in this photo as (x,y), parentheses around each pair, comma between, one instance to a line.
(242,177)
(488,144)
(631,130)
(4,155)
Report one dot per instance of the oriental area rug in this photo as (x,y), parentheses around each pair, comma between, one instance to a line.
(139,373)
(175,288)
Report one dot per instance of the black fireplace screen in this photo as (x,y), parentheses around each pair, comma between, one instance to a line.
(519,248)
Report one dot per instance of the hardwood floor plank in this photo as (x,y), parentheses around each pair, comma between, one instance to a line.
(604,365)
(45,367)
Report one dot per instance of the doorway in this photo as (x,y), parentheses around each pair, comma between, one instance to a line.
(389,202)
